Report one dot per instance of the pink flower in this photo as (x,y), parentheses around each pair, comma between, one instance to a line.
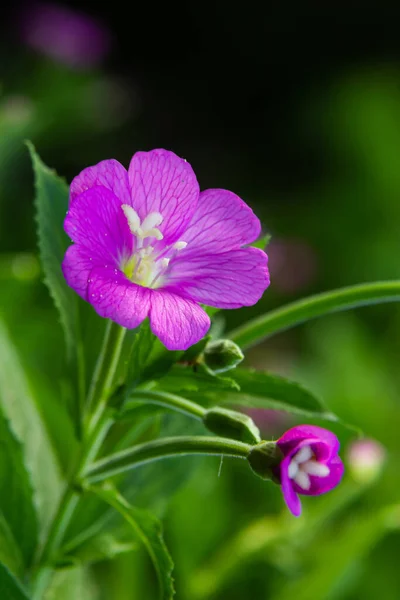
(64,35)
(310,466)
(147,242)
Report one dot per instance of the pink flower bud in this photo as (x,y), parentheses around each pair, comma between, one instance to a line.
(310,465)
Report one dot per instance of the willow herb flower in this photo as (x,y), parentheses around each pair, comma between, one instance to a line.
(310,464)
(148,243)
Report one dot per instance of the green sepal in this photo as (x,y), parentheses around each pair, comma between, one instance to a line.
(263,458)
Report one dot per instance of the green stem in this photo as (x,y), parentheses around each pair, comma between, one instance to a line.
(163,448)
(98,426)
(278,320)
(104,373)
(171,401)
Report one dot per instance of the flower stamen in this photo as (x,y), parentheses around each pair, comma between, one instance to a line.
(304,464)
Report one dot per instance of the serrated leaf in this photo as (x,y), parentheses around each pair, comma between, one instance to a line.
(17,511)
(10,588)
(148,529)
(20,409)
(51,203)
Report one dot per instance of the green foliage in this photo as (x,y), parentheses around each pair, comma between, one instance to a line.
(21,411)
(262,389)
(51,207)
(17,513)
(10,589)
(148,529)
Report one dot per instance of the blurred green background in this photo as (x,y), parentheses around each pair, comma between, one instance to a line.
(298,111)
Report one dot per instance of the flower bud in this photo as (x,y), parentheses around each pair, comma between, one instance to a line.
(366,459)
(310,465)
(232,424)
(222,355)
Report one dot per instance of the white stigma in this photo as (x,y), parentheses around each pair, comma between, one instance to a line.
(148,264)
(304,464)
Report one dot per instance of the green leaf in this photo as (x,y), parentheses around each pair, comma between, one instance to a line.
(20,409)
(141,348)
(148,529)
(10,589)
(278,320)
(51,207)
(272,391)
(72,584)
(183,378)
(10,553)
(104,546)
(262,242)
(17,511)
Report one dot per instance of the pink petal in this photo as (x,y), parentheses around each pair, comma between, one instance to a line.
(96,222)
(114,297)
(227,280)
(177,322)
(291,498)
(321,485)
(76,267)
(222,221)
(107,173)
(162,182)
(324,442)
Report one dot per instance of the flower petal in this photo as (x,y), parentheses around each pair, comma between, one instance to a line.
(228,280)
(107,173)
(178,322)
(114,297)
(321,485)
(162,182)
(76,267)
(290,496)
(324,443)
(222,221)
(96,221)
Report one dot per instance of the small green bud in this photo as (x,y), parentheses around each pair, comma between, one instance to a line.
(263,458)
(222,355)
(232,424)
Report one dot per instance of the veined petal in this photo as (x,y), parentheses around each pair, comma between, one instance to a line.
(222,221)
(107,173)
(76,267)
(290,496)
(227,280)
(114,297)
(161,182)
(96,221)
(178,322)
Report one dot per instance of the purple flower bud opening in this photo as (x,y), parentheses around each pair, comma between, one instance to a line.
(311,465)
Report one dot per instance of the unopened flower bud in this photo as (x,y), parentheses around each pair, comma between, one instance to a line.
(222,355)
(232,424)
(365,459)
